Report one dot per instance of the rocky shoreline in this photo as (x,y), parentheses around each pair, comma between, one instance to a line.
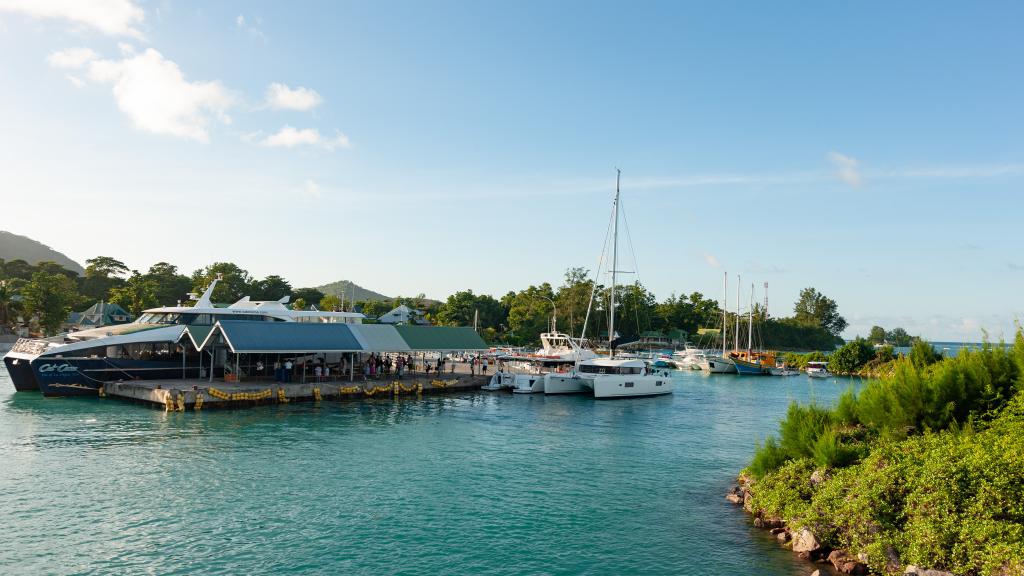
(807,546)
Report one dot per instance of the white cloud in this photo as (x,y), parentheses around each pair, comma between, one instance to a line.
(114,17)
(126,48)
(846,168)
(281,97)
(288,137)
(311,191)
(78,82)
(712,261)
(252,29)
(71,58)
(154,94)
(240,21)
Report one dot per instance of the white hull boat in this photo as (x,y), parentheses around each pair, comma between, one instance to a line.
(818,370)
(569,383)
(718,365)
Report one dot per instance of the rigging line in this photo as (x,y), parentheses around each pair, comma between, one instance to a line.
(636,264)
(597,274)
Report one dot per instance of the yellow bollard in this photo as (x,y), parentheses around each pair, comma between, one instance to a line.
(316,394)
(181,401)
(199,400)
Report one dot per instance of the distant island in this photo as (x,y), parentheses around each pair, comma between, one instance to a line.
(15,247)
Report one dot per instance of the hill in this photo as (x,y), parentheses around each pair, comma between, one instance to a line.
(350,289)
(15,247)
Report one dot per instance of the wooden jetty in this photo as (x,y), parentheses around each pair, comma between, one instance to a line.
(201,394)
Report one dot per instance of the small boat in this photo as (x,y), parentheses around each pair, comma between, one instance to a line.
(818,370)
(783,370)
(689,358)
(663,361)
(748,367)
(718,365)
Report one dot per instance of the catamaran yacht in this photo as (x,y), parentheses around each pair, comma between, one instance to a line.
(149,348)
(613,377)
(529,374)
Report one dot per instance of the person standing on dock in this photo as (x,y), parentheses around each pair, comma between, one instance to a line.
(277,372)
(287,371)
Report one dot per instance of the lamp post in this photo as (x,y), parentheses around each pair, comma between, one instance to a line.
(554,314)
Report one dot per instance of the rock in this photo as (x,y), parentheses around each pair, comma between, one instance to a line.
(783,536)
(777,530)
(804,555)
(758,523)
(773,523)
(817,573)
(748,502)
(734,498)
(805,541)
(846,564)
(892,559)
(818,477)
(911,569)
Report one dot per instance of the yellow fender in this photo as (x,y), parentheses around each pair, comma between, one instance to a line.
(199,400)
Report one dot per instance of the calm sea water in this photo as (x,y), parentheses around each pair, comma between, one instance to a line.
(474,484)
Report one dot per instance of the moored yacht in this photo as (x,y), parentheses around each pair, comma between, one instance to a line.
(149,348)
(620,377)
(817,369)
(553,362)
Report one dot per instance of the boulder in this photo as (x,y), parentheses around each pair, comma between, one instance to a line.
(748,502)
(734,498)
(817,573)
(846,564)
(818,477)
(783,536)
(805,541)
(911,569)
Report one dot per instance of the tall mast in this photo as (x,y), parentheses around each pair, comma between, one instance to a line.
(725,296)
(615,265)
(750,321)
(736,336)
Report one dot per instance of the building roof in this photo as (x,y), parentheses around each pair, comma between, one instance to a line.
(249,337)
(256,337)
(441,338)
(101,314)
(379,337)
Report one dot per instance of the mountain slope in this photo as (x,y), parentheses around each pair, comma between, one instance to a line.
(15,247)
(348,288)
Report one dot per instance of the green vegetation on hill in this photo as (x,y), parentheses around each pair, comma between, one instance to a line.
(922,467)
(15,247)
(351,291)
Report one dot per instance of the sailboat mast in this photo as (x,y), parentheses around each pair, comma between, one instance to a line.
(725,296)
(736,336)
(750,321)
(615,265)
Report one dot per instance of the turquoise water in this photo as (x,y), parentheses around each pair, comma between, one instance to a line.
(473,484)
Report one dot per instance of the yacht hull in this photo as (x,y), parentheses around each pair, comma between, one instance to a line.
(745,368)
(629,386)
(528,384)
(718,365)
(85,376)
(564,384)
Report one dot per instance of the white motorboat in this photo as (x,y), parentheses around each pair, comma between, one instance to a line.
(818,370)
(783,370)
(689,358)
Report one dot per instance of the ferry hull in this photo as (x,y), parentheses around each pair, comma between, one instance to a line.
(84,376)
(22,376)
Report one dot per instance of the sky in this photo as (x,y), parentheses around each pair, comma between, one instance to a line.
(872,150)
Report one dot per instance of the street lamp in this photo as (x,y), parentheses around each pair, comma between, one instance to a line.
(554,314)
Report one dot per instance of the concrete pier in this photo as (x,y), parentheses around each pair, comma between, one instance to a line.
(193,394)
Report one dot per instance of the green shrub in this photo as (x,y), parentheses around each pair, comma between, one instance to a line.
(799,431)
(831,452)
(923,354)
(851,356)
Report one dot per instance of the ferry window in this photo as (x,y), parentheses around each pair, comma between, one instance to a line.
(629,384)
(199,320)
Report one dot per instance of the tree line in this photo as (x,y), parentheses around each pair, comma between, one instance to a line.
(48,292)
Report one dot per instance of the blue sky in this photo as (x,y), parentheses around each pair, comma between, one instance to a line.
(871,150)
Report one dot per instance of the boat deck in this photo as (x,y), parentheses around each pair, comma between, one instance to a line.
(193,394)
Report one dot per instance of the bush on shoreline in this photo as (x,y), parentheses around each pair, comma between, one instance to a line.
(922,467)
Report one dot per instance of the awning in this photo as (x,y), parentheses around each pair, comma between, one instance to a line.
(379,338)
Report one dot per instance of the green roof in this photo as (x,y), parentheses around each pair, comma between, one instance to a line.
(440,338)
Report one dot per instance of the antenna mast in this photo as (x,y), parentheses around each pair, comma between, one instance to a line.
(736,336)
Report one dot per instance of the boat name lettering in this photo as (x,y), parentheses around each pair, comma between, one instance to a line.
(57,368)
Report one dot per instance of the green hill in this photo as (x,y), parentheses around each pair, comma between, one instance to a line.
(349,290)
(15,247)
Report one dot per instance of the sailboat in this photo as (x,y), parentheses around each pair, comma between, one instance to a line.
(720,364)
(613,377)
(749,362)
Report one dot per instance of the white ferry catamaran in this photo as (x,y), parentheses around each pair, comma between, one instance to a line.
(150,348)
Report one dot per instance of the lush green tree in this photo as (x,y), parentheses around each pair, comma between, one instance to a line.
(49,297)
(272,287)
(374,308)
(101,274)
(899,337)
(462,307)
(6,299)
(851,356)
(169,287)
(923,354)
(235,282)
(877,335)
(137,293)
(529,313)
(299,304)
(573,299)
(307,295)
(18,269)
(815,309)
(330,302)
(634,309)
